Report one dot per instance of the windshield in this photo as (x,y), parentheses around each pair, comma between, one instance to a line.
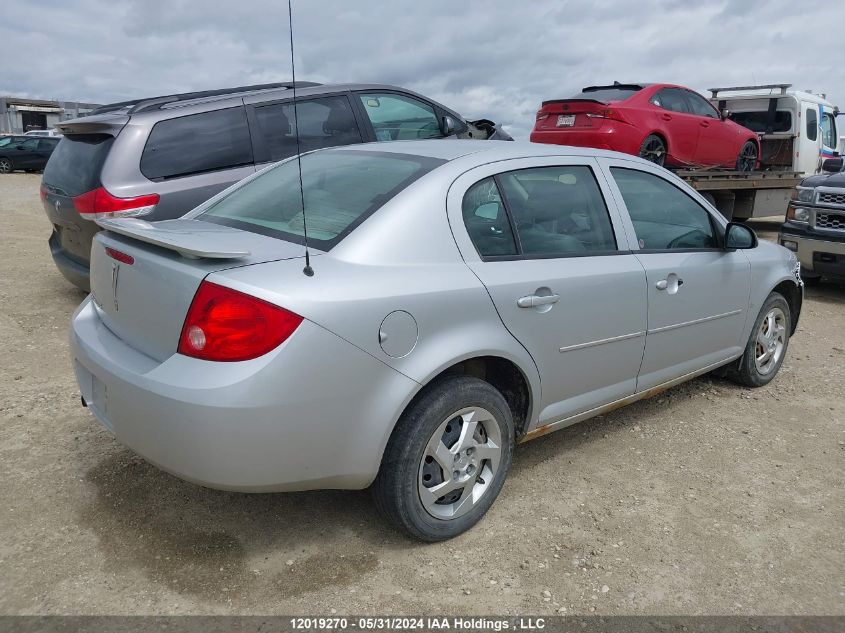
(341,189)
(74,167)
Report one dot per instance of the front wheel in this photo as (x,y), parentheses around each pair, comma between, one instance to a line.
(766,347)
(747,159)
(447,459)
(653,150)
(6,166)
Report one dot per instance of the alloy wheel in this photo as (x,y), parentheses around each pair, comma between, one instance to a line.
(770,342)
(654,150)
(747,157)
(5,166)
(459,463)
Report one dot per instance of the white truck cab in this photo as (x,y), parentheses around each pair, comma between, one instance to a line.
(797,128)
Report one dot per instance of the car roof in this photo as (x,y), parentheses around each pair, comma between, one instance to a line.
(483,151)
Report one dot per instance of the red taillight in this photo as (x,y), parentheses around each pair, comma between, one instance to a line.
(227,325)
(99,203)
(609,113)
(43,192)
(119,256)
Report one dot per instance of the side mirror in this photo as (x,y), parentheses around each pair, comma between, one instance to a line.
(739,236)
(725,114)
(832,165)
(447,126)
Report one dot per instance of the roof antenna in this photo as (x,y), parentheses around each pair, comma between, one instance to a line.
(307,271)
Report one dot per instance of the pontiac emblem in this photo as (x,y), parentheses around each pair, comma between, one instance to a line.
(115,272)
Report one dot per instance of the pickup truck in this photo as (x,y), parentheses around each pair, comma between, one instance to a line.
(815,223)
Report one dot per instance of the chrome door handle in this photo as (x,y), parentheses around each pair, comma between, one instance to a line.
(663,284)
(532,301)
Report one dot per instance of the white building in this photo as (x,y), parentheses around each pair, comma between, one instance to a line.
(19,114)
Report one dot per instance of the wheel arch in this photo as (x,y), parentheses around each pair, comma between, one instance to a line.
(791,291)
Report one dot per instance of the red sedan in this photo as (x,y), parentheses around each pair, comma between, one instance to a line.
(666,124)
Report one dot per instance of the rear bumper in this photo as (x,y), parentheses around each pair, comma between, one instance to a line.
(74,271)
(617,137)
(819,255)
(314,413)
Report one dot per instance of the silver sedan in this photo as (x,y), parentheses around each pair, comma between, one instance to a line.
(461,297)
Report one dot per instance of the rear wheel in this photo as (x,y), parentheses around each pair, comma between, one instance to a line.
(766,347)
(6,166)
(653,149)
(747,159)
(446,460)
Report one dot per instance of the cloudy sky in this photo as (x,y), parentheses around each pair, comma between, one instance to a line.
(497,58)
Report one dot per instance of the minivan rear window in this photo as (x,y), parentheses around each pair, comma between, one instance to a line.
(197,143)
(341,189)
(75,165)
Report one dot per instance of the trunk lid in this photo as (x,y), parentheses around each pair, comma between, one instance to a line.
(142,287)
(570,114)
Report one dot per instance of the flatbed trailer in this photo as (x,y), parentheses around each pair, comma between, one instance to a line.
(740,195)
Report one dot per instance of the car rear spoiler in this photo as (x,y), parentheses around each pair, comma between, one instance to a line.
(553,101)
(192,239)
(94,124)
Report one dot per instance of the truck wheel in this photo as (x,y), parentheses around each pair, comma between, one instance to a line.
(447,459)
(653,150)
(6,166)
(766,347)
(747,159)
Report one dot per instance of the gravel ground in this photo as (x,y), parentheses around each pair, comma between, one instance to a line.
(710,499)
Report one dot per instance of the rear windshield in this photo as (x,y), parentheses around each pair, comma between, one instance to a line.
(341,190)
(74,166)
(757,121)
(606,95)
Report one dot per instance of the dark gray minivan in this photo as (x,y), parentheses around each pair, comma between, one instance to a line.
(158,158)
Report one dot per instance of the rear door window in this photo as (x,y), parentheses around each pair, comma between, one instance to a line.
(399,117)
(487,221)
(197,143)
(324,122)
(75,165)
(672,99)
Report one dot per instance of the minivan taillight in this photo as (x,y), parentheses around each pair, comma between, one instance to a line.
(227,325)
(99,204)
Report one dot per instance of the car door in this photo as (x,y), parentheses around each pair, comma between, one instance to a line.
(42,152)
(399,117)
(24,155)
(326,121)
(682,129)
(551,252)
(829,138)
(698,292)
(718,142)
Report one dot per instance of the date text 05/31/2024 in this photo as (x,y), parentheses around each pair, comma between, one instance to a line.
(417,623)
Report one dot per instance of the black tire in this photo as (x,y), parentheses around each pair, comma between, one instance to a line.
(747,159)
(395,490)
(746,371)
(6,166)
(653,149)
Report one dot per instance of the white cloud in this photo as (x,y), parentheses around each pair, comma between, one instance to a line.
(498,59)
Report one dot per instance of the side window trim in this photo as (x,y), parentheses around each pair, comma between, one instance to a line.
(717,222)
